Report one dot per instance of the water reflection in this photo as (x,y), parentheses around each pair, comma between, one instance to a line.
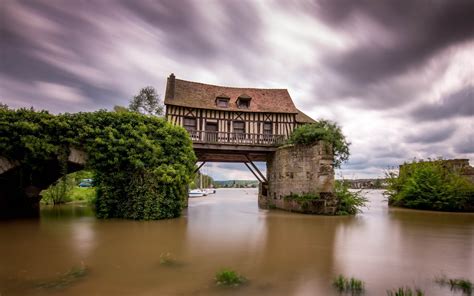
(281,253)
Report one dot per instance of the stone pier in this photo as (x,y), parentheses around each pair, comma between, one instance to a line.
(296,171)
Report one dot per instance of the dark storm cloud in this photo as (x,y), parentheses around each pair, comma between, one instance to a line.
(433,134)
(457,104)
(182,23)
(392,39)
(419,29)
(85,30)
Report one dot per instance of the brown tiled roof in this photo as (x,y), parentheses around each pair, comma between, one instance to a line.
(303,118)
(200,95)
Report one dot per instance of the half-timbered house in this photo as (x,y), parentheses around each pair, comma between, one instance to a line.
(230,115)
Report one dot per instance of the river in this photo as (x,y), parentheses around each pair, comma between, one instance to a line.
(279,253)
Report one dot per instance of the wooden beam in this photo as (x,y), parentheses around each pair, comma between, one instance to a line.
(250,169)
(256,169)
(199,167)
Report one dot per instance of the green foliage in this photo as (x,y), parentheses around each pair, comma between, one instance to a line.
(3,106)
(147,102)
(207,181)
(352,285)
(350,202)
(302,197)
(327,131)
(65,189)
(230,278)
(59,192)
(141,164)
(304,200)
(83,194)
(405,291)
(459,284)
(430,185)
(118,108)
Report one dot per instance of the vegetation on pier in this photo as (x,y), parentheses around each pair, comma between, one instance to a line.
(142,164)
(430,185)
(350,202)
(327,131)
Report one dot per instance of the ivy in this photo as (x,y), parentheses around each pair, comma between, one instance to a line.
(142,164)
(327,131)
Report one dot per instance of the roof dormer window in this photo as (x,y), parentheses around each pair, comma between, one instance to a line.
(222,101)
(243,102)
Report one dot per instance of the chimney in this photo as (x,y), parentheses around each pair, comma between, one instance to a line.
(170,87)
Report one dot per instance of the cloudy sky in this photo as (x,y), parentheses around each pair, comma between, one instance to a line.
(398,76)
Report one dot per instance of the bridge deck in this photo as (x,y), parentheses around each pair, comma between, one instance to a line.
(234,147)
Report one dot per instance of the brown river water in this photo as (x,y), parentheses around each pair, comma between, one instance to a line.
(279,253)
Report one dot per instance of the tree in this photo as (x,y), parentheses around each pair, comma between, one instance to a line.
(3,106)
(118,109)
(147,102)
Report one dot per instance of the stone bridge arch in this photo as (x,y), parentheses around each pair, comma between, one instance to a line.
(20,186)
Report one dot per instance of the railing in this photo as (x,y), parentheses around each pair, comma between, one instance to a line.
(235,138)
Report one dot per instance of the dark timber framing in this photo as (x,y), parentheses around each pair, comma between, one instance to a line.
(268,119)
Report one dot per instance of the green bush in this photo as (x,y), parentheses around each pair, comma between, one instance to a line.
(303,199)
(349,202)
(406,291)
(430,185)
(352,285)
(141,164)
(228,277)
(459,284)
(59,192)
(327,131)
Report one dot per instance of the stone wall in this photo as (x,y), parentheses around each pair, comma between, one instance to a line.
(299,170)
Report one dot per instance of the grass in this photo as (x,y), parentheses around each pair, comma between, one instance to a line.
(405,291)
(73,275)
(229,278)
(86,194)
(352,285)
(77,194)
(459,284)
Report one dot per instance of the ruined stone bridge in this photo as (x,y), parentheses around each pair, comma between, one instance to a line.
(20,186)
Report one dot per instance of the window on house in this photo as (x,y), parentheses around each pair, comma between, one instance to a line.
(239,127)
(222,102)
(243,102)
(267,128)
(189,123)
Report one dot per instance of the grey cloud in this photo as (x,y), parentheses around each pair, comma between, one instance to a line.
(420,29)
(466,145)
(457,104)
(401,38)
(433,134)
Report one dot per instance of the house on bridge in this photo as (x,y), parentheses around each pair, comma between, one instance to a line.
(231,123)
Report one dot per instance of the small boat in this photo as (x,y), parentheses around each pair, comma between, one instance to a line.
(196,193)
(209,191)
